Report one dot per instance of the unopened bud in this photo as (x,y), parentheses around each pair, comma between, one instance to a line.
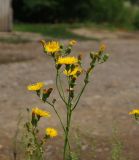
(72,42)
(80,57)
(102,48)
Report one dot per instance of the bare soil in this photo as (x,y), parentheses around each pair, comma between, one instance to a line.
(112,92)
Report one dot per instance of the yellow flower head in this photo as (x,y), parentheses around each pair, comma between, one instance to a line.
(67,60)
(40,112)
(51,47)
(135,111)
(36,86)
(72,42)
(51,132)
(73,72)
(102,47)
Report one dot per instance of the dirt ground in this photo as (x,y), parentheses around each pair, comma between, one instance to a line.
(112,92)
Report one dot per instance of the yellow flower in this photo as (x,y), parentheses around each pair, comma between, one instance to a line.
(40,112)
(67,60)
(51,132)
(135,111)
(51,47)
(74,72)
(102,47)
(72,42)
(36,86)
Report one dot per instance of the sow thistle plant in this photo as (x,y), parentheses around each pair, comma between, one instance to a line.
(34,145)
(70,67)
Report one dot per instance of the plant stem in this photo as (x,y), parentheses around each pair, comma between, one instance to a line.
(85,84)
(57,115)
(39,151)
(69,114)
(59,89)
(79,96)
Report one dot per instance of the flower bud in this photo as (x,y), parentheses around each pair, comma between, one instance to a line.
(102,48)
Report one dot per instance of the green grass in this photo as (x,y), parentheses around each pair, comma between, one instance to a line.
(58,31)
(13,40)
(64,30)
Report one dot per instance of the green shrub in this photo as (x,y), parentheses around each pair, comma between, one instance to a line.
(134,1)
(136,20)
(108,11)
(51,10)
(35,11)
(112,11)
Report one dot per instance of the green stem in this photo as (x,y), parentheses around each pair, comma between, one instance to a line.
(59,89)
(64,129)
(69,114)
(67,150)
(79,96)
(57,115)
(85,83)
(39,152)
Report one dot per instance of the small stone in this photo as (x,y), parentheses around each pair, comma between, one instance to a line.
(84,147)
(100,150)
(106,149)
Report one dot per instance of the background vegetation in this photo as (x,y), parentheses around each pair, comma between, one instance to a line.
(117,12)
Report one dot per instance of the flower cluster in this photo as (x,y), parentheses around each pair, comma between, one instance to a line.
(71,67)
(34,145)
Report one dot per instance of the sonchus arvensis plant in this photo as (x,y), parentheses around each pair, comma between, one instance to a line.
(34,146)
(71,67)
